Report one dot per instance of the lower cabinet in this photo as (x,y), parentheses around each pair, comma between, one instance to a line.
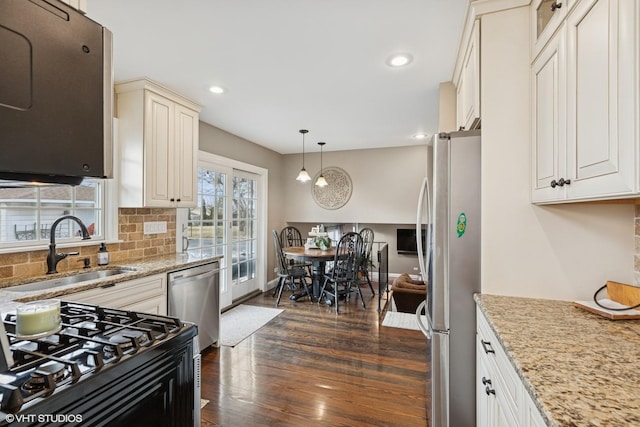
(501,399)
(147,294)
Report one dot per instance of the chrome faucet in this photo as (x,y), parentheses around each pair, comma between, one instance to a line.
(54,258)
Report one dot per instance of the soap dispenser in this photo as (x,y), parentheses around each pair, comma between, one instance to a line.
(103,255)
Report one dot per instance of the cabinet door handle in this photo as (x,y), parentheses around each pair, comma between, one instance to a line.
(485,381)
(554,183)
(177,200)
(555,5)
(487,346)
(563,181)
(489,391)
(110,285)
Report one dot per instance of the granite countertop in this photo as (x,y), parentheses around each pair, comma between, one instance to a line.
(139,268)
(581,369)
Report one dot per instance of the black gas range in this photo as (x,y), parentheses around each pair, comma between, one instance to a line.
(104,367)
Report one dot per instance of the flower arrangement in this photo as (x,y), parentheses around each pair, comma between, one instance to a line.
(323,242)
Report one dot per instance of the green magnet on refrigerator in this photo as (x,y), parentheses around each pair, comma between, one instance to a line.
(461,227)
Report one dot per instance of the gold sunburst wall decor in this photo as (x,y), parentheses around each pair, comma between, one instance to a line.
(338,191)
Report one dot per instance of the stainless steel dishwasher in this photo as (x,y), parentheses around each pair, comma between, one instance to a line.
(194,296)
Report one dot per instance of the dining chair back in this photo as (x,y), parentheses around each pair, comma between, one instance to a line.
(341,279)
(290,236)
(366,262)
(287,273)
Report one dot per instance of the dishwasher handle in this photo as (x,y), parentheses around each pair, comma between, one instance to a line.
(178,280)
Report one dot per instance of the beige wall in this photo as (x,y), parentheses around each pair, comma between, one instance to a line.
(385,182)
(447,108)
(562,251)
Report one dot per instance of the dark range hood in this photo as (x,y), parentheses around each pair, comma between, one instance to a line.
(56,94)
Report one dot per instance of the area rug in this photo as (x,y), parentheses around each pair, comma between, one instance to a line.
(396,319)
(242,321)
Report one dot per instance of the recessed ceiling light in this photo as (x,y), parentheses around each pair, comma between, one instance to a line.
(217,89)
(420,136)
(399,60)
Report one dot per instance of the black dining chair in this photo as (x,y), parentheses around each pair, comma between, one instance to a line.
(342,279)
(288,274)
(366,262)
(290,236)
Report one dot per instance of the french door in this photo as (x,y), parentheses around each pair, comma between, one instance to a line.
(228,221)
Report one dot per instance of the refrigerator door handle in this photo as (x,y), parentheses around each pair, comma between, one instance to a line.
(427,329)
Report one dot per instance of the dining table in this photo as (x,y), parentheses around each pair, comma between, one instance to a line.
(318,259)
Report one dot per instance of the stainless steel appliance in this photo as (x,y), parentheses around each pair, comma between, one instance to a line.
(451,264)
(104,367)
(56,106)
(194,296)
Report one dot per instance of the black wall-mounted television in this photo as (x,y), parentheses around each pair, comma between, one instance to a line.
(407,241)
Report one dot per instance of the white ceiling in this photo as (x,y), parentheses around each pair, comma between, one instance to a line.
(293,64)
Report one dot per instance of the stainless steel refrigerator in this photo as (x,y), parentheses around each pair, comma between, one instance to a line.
(449,213)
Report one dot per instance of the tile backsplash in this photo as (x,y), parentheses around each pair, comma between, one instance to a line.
(134,245)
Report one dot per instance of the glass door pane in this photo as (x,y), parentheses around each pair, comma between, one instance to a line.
(244,236)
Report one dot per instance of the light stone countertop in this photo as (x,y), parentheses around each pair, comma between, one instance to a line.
(142,267)
(581,369)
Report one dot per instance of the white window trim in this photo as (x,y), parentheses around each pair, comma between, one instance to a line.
(110,224)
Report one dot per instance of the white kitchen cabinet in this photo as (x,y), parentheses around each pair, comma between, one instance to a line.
(147,294)
(158,146)
(81,5)
(585,106)
(501,398)
(549,88)
(531,415)
(468,84)
(546,17)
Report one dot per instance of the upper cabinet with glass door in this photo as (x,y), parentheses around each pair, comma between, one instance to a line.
(586,104)
(546,18)
(157,144)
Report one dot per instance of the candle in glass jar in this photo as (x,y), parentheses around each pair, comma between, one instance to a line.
(38,317)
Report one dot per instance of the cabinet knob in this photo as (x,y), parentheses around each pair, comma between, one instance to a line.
(485,381)
(487,346)
(560,183)
(177,200)
(555,5)
(489,391)
(172,199)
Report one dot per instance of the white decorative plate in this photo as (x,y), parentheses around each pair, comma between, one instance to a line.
(337,193)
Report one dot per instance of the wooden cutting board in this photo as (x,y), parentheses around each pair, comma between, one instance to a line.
(626,295)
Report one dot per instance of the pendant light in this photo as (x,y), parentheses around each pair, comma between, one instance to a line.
(303,176)
(321,182)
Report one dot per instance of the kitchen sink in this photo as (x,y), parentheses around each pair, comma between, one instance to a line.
(68,280)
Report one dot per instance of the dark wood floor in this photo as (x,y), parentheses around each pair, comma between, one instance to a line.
(310,366)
